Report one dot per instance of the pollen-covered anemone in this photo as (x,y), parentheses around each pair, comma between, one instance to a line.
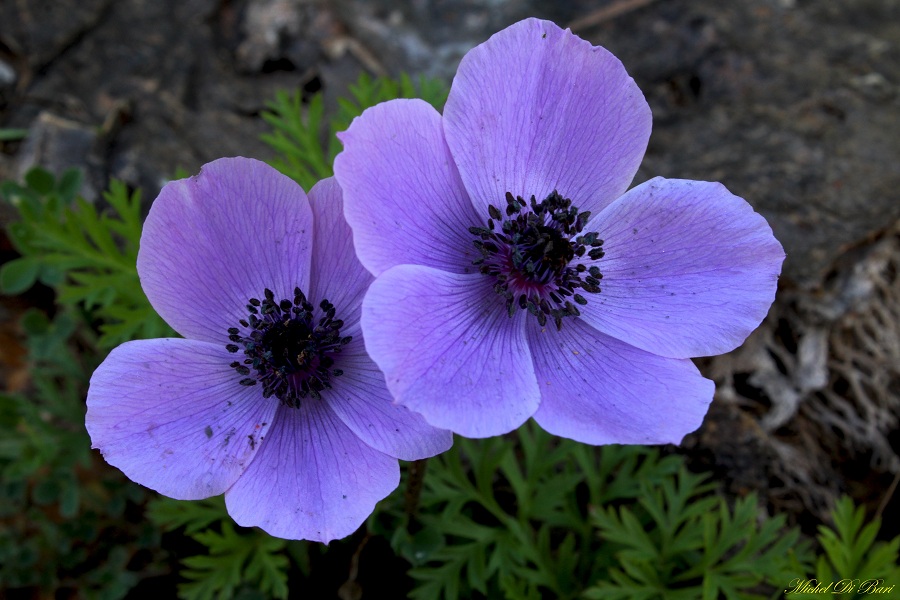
(271,398)
(516,276)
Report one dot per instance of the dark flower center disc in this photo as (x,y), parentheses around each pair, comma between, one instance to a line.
(289,346)
(536,253)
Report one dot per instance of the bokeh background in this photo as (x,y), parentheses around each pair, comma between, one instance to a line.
(792,104)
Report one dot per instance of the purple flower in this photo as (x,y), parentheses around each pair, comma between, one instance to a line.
(516,276)
(271,399)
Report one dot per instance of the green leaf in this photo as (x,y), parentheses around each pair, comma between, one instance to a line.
(420,547)
(268,568)
(233,559)
(69,498)
(194,515)
(852,552)
(46,492)
(306,142)
(296,138)
(512,521)
(18,275)
(68,185)
(35,322)
(89,257)
(686,543)
(40,180)
(12,135)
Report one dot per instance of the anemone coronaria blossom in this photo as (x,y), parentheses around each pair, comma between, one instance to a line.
(517,276)
(270,397)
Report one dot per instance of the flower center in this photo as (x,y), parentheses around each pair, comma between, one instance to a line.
(289,352)
(535,256)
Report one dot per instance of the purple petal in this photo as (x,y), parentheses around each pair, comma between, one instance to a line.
(337,275)
(402,193)
(690,269)
(598,390)
(449,351)
(536,109)
(359,397)
(313,479)
(215,240)
(172,416)
(362,401)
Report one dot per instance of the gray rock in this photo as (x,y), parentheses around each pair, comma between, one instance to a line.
(42,29)
(57,144)
(8,75)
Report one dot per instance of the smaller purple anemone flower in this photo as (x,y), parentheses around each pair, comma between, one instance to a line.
(516,276)
(271,399)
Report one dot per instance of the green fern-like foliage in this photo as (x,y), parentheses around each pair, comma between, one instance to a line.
(853,561)
(232,560)
(307,144)
(87,255)
(507,517)
(57,506)
(194,515)
(680,542)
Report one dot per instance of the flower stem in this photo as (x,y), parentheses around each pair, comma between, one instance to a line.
(415,480)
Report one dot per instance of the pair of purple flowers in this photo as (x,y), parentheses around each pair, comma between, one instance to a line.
(460,273)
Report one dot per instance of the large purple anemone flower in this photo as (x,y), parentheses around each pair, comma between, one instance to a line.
(271,399)
(516,276)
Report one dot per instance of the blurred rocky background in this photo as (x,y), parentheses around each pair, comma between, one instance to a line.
(793,104)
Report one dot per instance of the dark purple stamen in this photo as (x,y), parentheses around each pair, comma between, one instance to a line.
(534,256)
(287,350)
